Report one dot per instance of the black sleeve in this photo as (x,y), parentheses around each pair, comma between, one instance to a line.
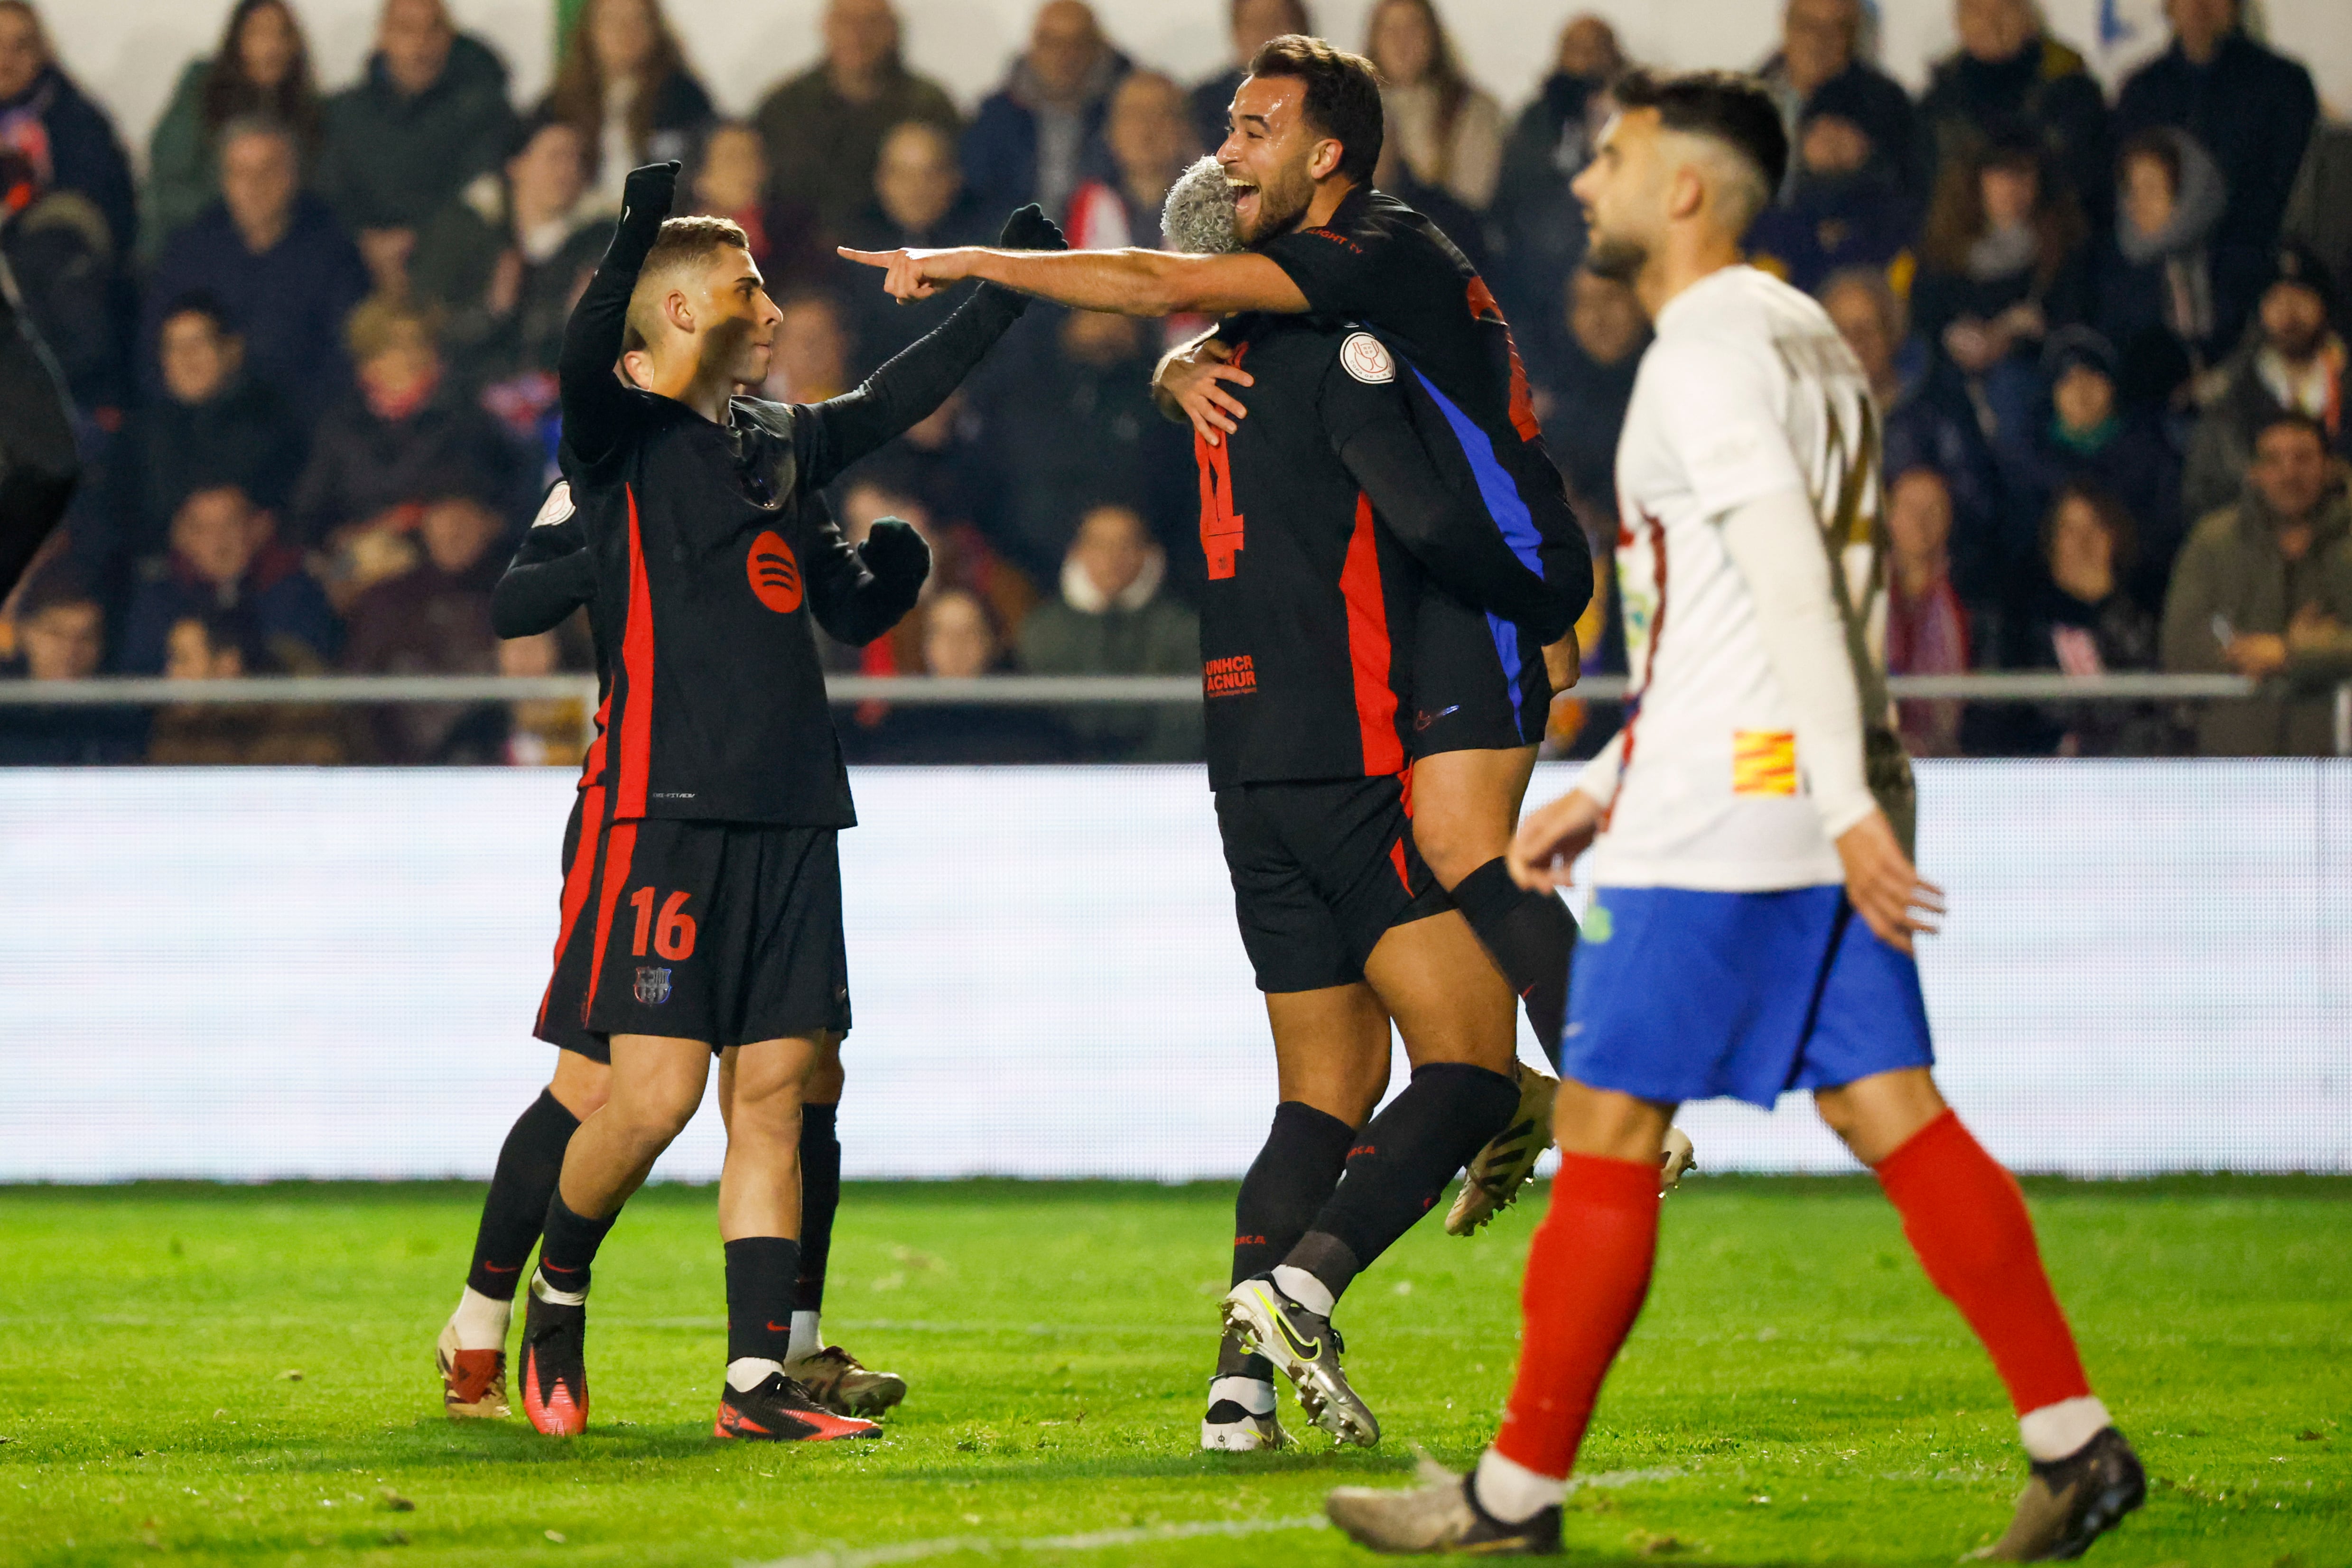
(1340,273)
(851,602)
(552,574)
(38,462)
(1429,502)
(596,407)
(836,432)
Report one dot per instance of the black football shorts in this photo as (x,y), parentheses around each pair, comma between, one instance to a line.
(1321,872)
(1478,683)
(562,1021)
(721,932)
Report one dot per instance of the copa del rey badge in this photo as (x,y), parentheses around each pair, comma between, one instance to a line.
(1366,358)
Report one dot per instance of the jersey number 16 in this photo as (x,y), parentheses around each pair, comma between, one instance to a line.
(672,934)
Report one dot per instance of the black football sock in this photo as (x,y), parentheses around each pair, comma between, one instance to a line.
(1530,936)
(761,1275)
(568,1247)
(1287,1185)
(820,1198)
(530,1161)
(1400,1163)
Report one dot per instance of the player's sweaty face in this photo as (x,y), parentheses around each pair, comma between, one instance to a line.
(742,337)
(1265,157)
(1623,196)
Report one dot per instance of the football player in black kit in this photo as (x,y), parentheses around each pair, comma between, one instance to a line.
(706,912)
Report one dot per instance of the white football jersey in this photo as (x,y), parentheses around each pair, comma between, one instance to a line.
(1747,390)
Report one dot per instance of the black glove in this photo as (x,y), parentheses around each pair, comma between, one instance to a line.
(646,197)
(894,552)
(1030,229)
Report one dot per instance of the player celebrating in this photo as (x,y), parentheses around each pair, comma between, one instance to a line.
(712,910)
(1754,900)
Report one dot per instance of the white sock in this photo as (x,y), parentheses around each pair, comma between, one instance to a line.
(805,1340)
(481,1321)
(549,1295)
(1305,1288)
(746,1373)
(1249,1392)
(1512,1492)
(2054,1431)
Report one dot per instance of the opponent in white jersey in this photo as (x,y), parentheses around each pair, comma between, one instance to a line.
(1754,898)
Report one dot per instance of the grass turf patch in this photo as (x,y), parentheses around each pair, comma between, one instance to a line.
(1795,1393)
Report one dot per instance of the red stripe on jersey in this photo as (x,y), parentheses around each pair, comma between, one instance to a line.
(1396,859)
(1368,654)
(577,878)
(1649,665)
(591,767)
(619,851)
(637,692)
(1522,403)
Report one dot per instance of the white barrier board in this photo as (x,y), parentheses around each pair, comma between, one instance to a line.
(247,974)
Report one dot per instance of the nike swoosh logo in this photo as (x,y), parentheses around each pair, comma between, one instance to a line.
(1304,1350)
(780,1328)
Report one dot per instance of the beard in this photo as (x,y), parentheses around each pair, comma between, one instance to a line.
(1281,202)
(1615,258)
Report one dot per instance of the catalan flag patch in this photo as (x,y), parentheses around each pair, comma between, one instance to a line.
(1764,762)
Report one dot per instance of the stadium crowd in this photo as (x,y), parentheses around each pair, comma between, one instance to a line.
(314,355)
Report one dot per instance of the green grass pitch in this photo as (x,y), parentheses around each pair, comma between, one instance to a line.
(1795,1393)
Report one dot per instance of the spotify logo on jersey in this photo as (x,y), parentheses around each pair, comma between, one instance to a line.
(775,575)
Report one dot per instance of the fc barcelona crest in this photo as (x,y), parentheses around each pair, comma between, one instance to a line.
(653,987)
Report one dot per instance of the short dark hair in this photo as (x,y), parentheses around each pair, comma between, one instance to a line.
(202,302)
(2123,534)
(61,582)
(1729,106)
(1343,95)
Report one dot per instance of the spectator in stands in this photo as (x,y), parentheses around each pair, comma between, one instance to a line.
(1582,404)
(504,263)
(1844,204)
(275,258)
(825,128)
(1822,46)
(622,82)
(811,356)
(1037,136)
(2011,78)
(1926,629)
(225,555)
(65,137)
(918,200)
(2295,363)
(728,178)
(61,631)
(229,645)
(405,437)
(2319,213)
(2082,621)
(960,642)
(262,68)
(1447,129)
(2253,108)
(962,558)
(213,426)
(1540,227)
(1113,620)
(2265,589)
(943,464)
(2174,294)
(1150,134)
(2094,440)
(1249,23)
(432,620)
(429,117)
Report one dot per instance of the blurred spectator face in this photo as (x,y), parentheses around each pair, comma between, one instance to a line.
(2295,319)
(414,38)
(1589,48)
(216,532)
(958,641)
(257,183)
(402,370)
(1255,21)
(1604,317)
(1404,41)
(734,171)
(2081,551)
(539,655)
(621,35)
(1817,39)
(2148,197)
(2290,470)
(268,46)
(1101,339)
(2010,192)
(549,174)
(456,534)
(189,656)
(1834,144)
(1992,31)
(1063,46)
(1860,317)
(198,356)
(63,642)
(1150,130)
(1112,547)
(22,52)
(916,178)
(1920,518)
(2199,23)
(2083,398)
(861,36)
(812,351)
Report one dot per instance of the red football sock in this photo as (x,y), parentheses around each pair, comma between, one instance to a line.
(1965,1219)
(1587,1275)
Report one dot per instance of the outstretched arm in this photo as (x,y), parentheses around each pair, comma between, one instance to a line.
(1129,282)
(595,405)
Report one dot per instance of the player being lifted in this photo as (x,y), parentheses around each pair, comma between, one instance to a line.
(1754,899)
(1326,521)
(709,918)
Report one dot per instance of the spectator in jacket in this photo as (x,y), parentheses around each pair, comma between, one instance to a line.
(1149,133)
(1112,619)
(2011,78)
(430,619)
(1926,630)
(622,83)
(1844,205)
(2319,213)
(68,139)
(1037,136)
(728,178)
(1249,23)
(2095,441)
(225,556)
(262,68)
(2174,294)
(2251,108)
(429,117)
(2082,621)
(919,200)
(825,128)
(1538,224)
(230,644)
(274,256)
(61,631)
(1822,45)
(1583,397)
(1446,129)
(2265,589)
(2295,363)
